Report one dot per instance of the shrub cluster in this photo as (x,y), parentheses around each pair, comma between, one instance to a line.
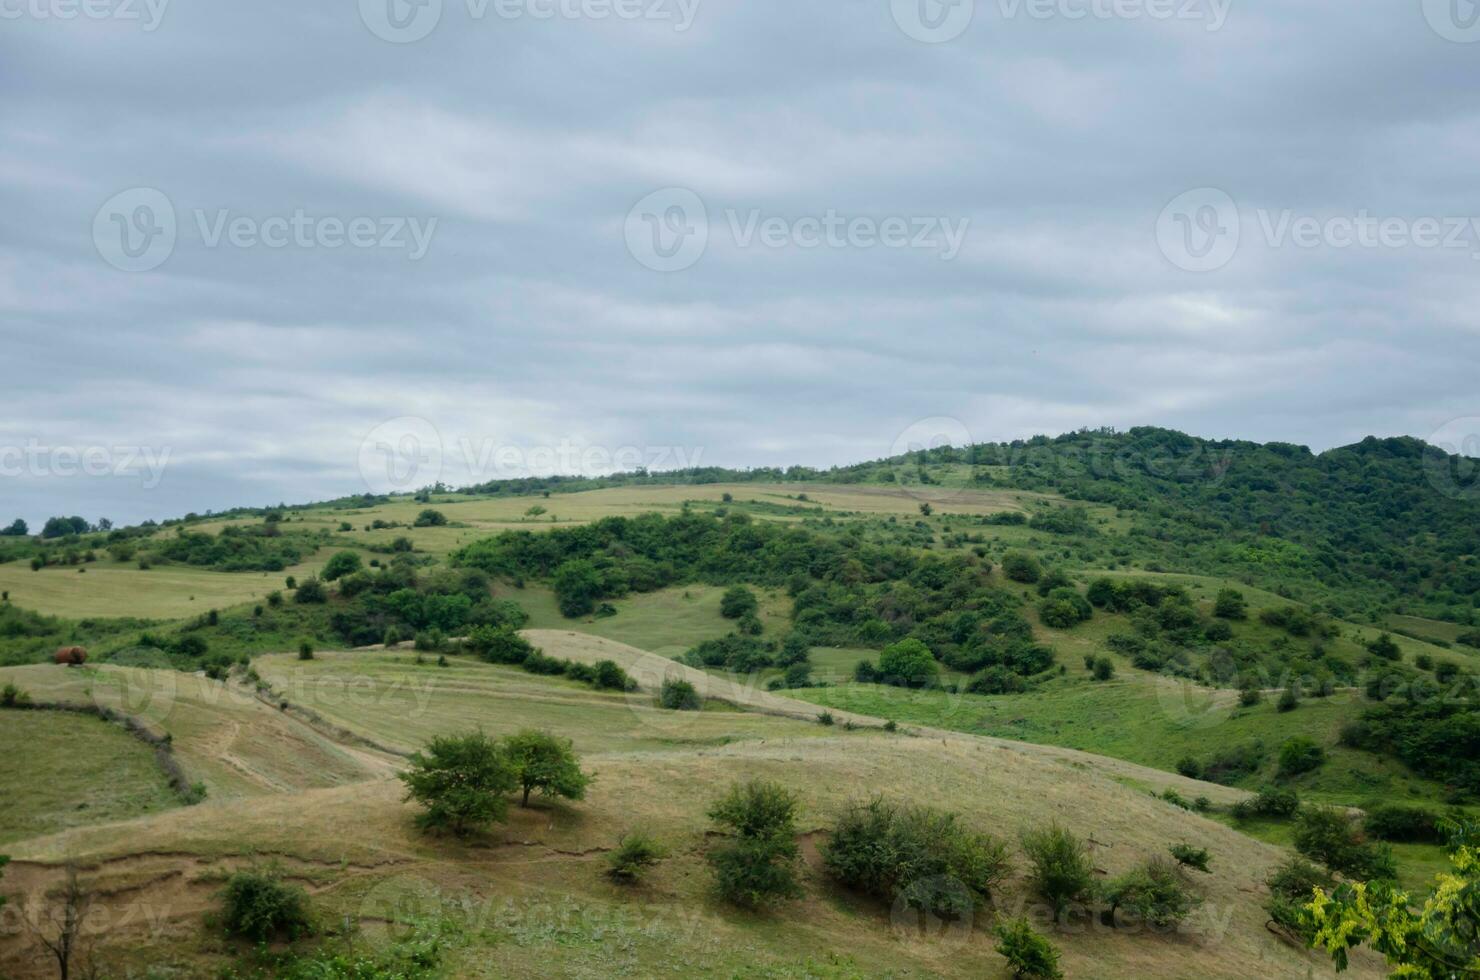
(756,865)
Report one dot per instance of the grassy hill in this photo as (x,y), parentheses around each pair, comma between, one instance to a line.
(1352,567)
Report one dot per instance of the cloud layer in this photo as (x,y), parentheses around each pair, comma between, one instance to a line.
(298,145)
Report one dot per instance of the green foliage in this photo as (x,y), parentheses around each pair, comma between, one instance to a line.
(499,645)
(635,853)
(1230,604)
(1434,941)
(737,602)
(430,518)
(1330,836)
(757,865)
(741,654)
(1300,755)
(1289,699)
(1064,607)
(305,650)
(577,586)
(907,663)
(1153,893)
(1291,886)
(311,591)
(13,697)
(1436,737)
(1104,668)
(909,854)
(1271,801)
(1405,824)
(1385,648)
(541,761)
(460,780)
(258,905)
(342,564)
(1188,856)
(679,695)
(1021,567)
(1029,955)
(1060,869)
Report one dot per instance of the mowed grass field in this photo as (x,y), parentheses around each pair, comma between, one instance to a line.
(667,622)
(61,770)
(528,898)
(109,588)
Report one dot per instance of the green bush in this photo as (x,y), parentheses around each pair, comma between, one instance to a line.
(635,854)
(757,865)
(544,762)
(1300,755)
(460,780)
(1230,604)
(342,564)
(305,650)
(1064,607)
(737,601)
(1271,801)
(902,853)
(499,644)
(1021,567)
(430,518)
(1060,869)
(311,591)
(1188,856)
(679,695)
(1289,699)
(1104,668)
(1029,955)
(1405,824)
(610,676)
(1330,836)
(1290,888)
(1153,893)
(13,697)
(258,905)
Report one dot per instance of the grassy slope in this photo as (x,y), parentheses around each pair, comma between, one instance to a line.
(540,906)
(63,770)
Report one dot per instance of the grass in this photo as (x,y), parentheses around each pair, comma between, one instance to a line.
(667,622)
(75,770)
(112,588)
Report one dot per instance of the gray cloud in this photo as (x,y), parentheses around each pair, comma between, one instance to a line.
(529,324)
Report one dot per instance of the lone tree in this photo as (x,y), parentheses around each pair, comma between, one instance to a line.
(342,564)
(544,762)
(461,780)
(58,928)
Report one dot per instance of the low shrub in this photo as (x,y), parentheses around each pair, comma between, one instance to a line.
(1330,836)
(258,905)
(1404,824)
(1300,755)
(1153,893)
(1028,954)
(757,865)
(635,854)
(1188,856)
(679,695)
(1290,887)
(903,853)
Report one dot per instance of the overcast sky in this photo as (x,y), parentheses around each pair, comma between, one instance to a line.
(284,250)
